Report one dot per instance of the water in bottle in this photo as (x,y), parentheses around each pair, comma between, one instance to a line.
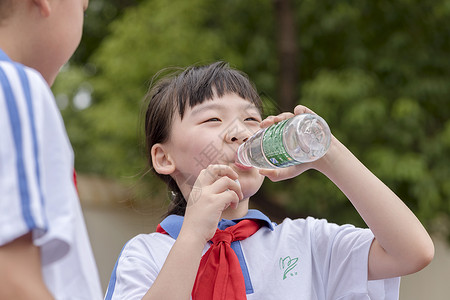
(303,138)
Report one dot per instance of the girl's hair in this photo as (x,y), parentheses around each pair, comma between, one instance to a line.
(189,87)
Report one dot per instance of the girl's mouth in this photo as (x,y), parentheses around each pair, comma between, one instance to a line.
(241,166)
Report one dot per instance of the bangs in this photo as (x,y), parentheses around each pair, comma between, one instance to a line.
(197,84)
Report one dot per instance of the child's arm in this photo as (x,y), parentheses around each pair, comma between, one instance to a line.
(215,190)
(20,271)
(401,245)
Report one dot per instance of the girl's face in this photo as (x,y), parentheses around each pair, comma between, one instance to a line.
(210,133)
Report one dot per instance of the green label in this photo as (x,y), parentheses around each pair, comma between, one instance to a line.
(273,146)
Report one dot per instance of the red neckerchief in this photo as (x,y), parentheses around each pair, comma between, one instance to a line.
(219,275)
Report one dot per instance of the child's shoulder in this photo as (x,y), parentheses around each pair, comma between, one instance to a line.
(319,234)
(145,243)
(314,226)
(305,222)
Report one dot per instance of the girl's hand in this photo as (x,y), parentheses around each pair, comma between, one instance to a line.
(290,172)
(215,189)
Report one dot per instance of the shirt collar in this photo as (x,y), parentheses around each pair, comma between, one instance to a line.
(172,224)
(3,56)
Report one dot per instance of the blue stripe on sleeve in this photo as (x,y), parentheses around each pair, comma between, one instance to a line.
(112,281)
(17,136)
(27,92)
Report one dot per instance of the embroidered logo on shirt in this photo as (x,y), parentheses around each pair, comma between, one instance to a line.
(287,264)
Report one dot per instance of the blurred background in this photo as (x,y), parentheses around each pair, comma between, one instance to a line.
(377,71)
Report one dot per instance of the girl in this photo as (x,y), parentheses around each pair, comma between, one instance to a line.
(211,246)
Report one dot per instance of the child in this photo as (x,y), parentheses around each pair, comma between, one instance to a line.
(211,246)
(44,246)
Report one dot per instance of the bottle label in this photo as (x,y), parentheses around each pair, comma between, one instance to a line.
(273,146)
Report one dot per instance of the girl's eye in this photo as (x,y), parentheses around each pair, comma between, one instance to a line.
(213,120)
(252,119)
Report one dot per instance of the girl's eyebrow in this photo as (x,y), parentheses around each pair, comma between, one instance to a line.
(220,106)
(206,106)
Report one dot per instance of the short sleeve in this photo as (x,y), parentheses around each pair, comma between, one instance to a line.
(343,253)
(138,265)
(37,192)
(22,196)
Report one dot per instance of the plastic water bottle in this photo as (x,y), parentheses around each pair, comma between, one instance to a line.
(300,139)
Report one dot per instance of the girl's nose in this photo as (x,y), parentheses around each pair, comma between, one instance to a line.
(234,139)
(237,134)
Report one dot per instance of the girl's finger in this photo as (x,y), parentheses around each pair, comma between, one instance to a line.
(275,119)
(300,109)
(229,198)
(225,184)
(284,173)
(213,172)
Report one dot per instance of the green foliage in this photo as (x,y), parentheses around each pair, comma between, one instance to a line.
(98,16)
(147,38)
(377,71)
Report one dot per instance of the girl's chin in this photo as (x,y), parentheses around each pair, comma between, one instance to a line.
(250,185)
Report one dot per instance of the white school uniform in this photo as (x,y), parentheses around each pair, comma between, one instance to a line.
(37,191)
(297,259)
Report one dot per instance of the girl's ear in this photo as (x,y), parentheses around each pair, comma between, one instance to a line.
(161,160)
(43,6)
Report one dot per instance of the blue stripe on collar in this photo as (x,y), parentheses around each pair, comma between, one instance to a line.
(255,214)
(172,224)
